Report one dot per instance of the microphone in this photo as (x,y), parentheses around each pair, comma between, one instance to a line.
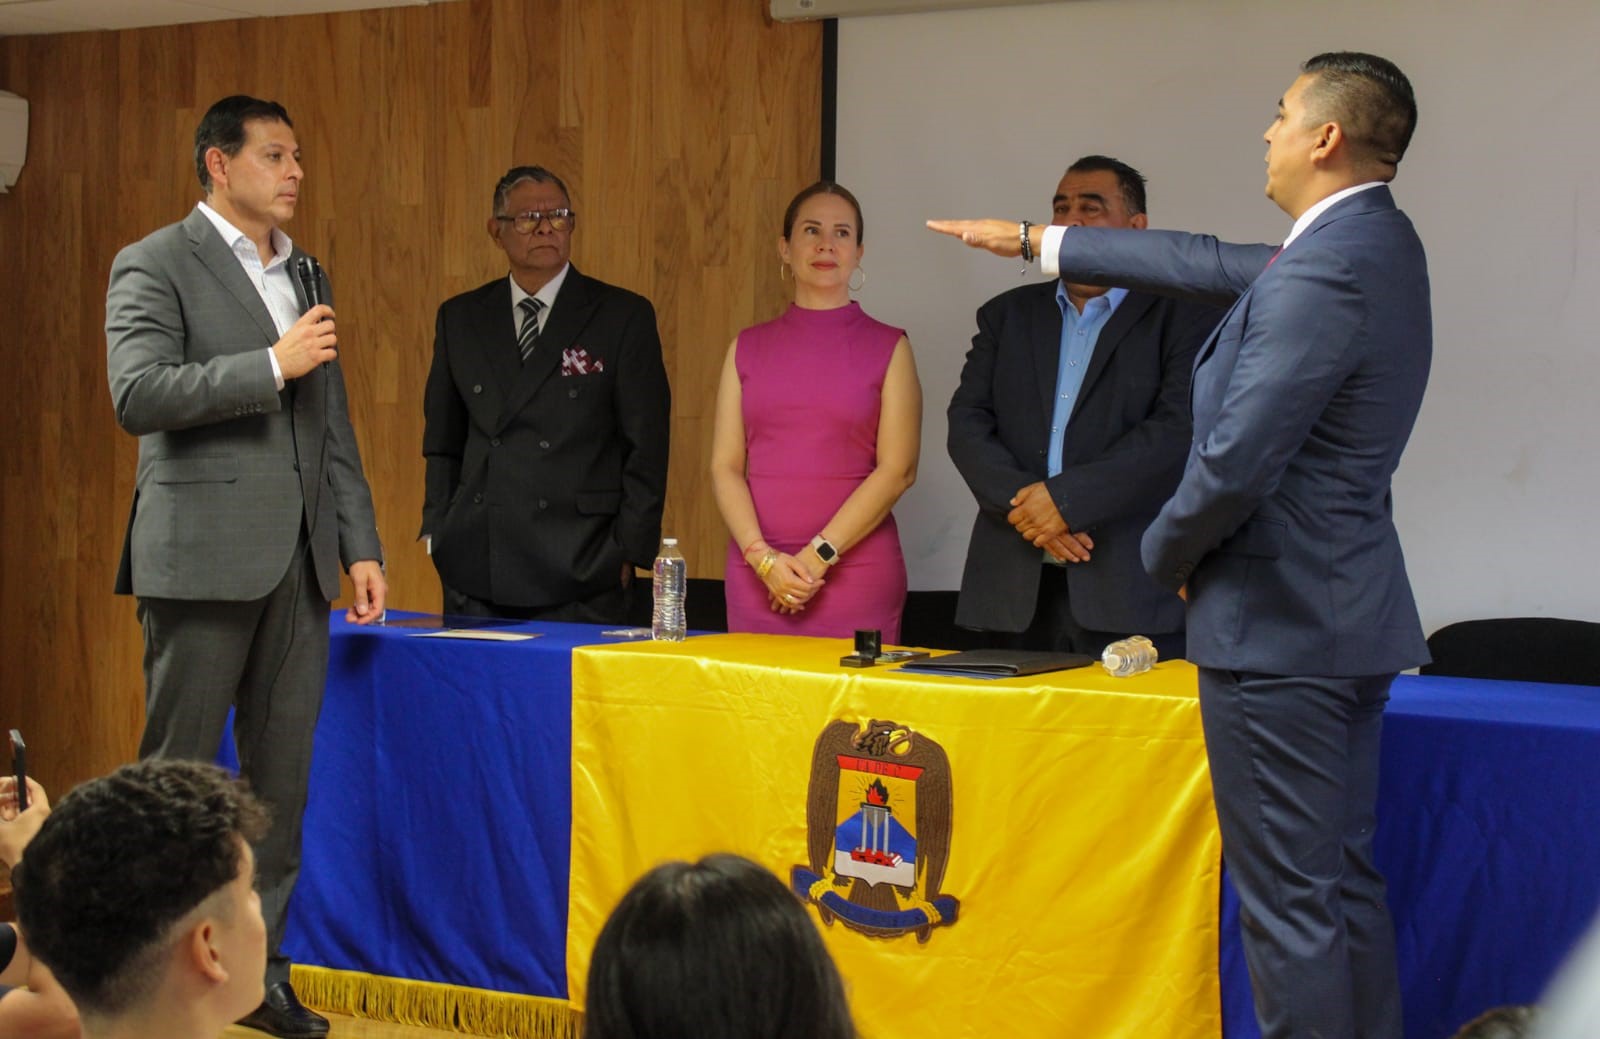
(309,271)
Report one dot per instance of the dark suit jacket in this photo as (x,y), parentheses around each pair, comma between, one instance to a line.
(228,464)
(540,483)
(1304,398)
(1121,457)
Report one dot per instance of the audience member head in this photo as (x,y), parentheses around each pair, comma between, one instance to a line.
(138,894)
(533,223)
(223,127)
(821,245)
(1510,1022)
(717,949)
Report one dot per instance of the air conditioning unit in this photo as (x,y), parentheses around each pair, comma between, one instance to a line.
(806,10)
(13,138)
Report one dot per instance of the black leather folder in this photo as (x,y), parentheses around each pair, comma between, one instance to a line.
(997,663)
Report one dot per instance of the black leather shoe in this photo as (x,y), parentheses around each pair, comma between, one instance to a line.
(283,1015)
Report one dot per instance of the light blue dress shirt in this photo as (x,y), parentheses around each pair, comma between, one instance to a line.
(1079,333)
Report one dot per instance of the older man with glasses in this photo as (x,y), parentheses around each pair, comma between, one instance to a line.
(547,419)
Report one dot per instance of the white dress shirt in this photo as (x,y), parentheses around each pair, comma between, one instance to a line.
(273,282)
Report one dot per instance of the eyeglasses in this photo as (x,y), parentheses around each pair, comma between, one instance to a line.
(528,222)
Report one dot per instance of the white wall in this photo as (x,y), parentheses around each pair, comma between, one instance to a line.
(977,113)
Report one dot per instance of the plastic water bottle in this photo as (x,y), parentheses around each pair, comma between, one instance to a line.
(1130,656)
(670,588)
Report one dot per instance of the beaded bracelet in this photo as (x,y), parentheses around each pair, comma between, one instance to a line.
(1027,247)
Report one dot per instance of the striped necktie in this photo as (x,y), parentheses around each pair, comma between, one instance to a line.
(528,334)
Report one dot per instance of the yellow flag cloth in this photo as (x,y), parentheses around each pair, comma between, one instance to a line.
(1068,823)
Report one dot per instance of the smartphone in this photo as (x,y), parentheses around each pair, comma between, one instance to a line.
(19,768)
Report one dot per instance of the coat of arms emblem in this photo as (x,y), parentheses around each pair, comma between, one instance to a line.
(878,823)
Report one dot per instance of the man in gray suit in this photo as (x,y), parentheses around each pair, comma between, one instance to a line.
(249,492)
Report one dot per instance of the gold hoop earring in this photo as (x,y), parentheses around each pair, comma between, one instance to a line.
(857,288)
(783,269)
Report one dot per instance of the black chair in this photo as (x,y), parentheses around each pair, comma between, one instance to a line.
(705,608)
(929,621)
(1518,649)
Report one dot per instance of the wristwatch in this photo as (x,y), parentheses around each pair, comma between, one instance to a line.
(825,550)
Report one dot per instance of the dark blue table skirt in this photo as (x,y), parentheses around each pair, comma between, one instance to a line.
(437,836)
(1489,836)
(437,833)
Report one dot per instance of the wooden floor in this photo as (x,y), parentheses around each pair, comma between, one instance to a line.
(355,1028)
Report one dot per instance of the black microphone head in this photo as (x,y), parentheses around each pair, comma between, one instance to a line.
(309,272)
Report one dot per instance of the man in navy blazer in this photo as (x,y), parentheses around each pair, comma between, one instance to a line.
(1300,613)
(546,426)
(1072,420)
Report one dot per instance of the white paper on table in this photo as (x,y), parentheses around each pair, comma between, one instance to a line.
(482,634)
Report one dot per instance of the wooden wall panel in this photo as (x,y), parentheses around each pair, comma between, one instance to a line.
(681,126)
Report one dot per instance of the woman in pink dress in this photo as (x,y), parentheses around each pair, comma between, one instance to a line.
(818,425)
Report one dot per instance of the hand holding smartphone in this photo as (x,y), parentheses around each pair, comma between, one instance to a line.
(19,768)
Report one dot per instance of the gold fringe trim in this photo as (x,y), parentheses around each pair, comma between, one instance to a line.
(472,1011)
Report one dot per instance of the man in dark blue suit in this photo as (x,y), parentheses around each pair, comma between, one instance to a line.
(1071,425)
(1300,613)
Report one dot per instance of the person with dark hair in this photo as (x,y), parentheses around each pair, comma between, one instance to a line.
(40,1010)
(1070,426)
(138,895)
(1282,529)
(249,496)
(225,127)
(547,417)
(717,949)
(818,426)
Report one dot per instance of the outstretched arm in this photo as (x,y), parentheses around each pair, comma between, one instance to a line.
(1168,263)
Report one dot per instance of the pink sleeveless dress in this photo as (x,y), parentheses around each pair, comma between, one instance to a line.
(812,387)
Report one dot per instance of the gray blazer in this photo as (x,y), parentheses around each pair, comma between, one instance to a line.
(228,465)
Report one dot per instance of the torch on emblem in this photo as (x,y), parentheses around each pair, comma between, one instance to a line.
(878,821)
(884,852)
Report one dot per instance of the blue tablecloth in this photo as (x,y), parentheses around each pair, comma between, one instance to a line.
(437,835)
(1489,836)
(437,832)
